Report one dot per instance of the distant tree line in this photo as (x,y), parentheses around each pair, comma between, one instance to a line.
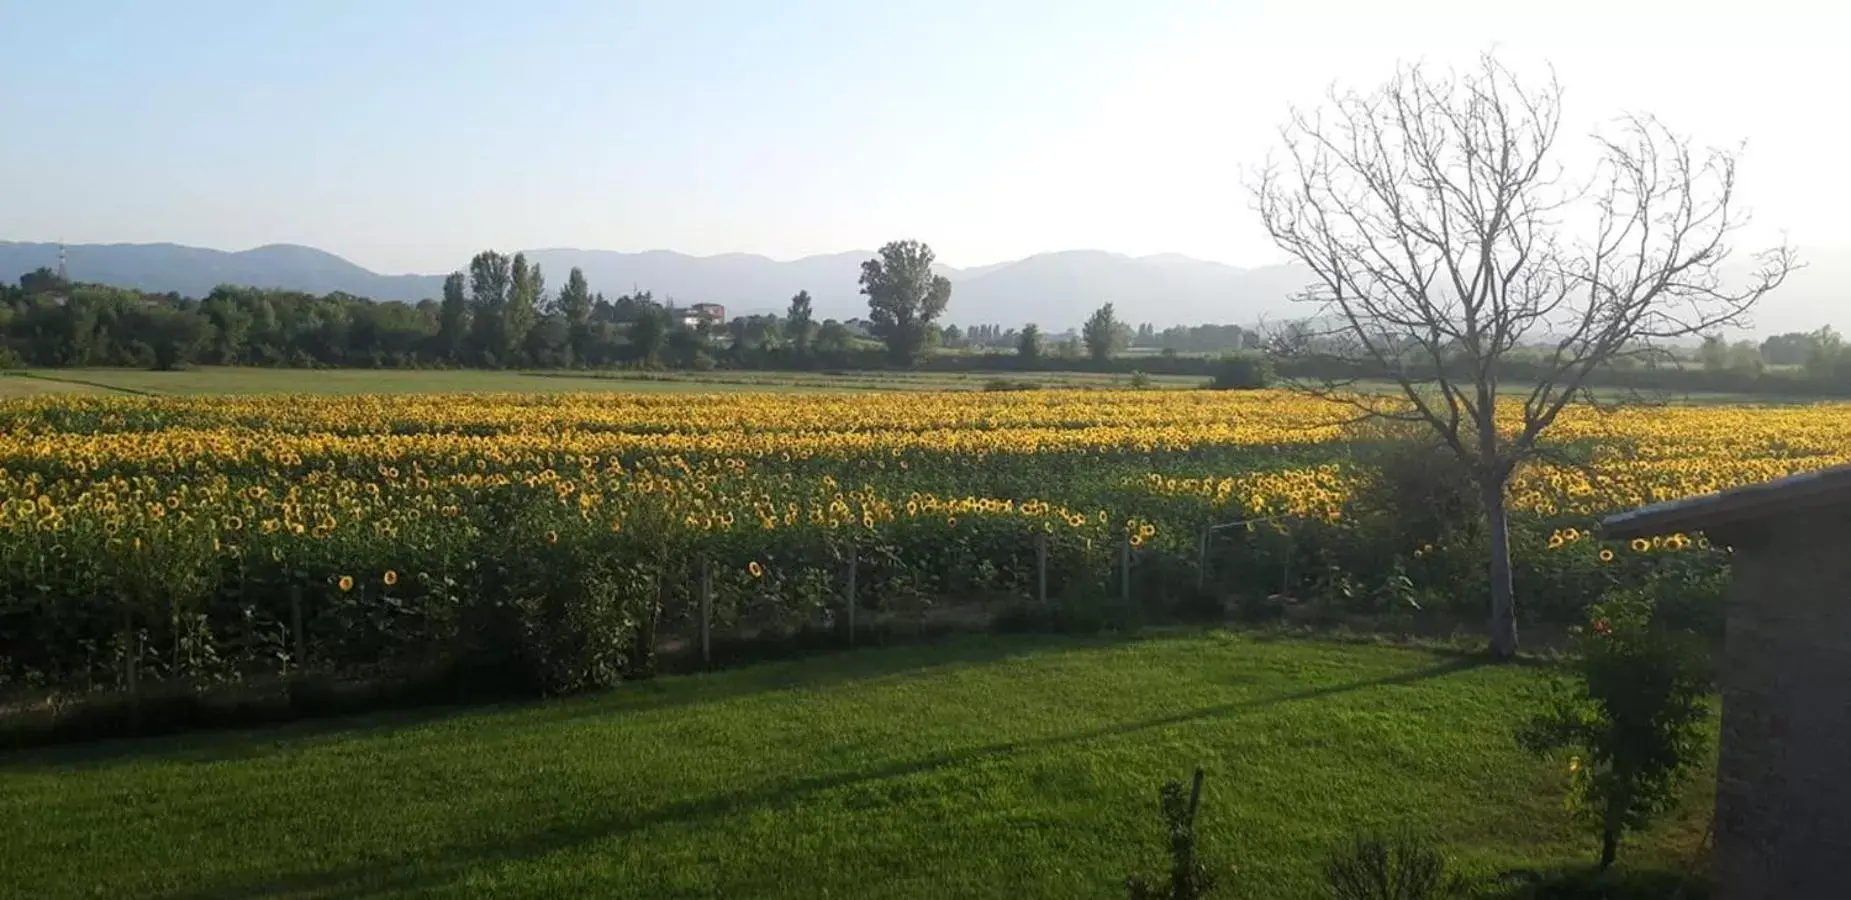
(1820,356)
(1211,339)
(498,313)
(1198,338)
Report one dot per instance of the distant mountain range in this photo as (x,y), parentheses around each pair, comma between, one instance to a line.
(1054,290)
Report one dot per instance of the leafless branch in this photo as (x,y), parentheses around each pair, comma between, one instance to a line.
(1447,253)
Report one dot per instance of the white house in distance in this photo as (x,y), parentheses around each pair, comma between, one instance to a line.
(703,314)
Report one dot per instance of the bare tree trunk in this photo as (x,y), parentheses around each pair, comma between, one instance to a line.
(1613,821)
(1503,594)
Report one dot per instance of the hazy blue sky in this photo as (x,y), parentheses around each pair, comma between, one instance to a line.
(405,135)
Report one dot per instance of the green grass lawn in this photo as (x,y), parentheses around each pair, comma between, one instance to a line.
(984,767)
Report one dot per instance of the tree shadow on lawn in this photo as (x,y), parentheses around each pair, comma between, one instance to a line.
(649,695)
(1540,654)
(443,867)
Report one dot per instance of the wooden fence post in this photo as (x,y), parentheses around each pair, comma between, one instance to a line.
(131,662)
(706,612)
(849,593)
(1201,560)
(131,651)
(1041,567)
(1124,565)
(300,657)
(135,681)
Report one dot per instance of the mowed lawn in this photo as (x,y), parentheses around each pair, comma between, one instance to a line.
(983,767)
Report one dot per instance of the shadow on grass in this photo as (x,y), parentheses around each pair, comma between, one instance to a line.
(1589,883)
(1542,654)
(651,695)
(437,868)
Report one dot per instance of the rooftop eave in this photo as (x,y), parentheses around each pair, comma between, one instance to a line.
(1736,507)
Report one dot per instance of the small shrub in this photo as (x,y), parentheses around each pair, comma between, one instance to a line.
(580,639)
(1242,372)
(1632,717)
(1690,593)
(1189,877)
(1376,867)
(1417,484)
(1140,381)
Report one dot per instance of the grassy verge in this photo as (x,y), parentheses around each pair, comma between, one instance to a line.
(208,380)
(217,380)
(1006,767)
(214,380)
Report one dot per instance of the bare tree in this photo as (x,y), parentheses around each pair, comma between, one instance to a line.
(1443,236)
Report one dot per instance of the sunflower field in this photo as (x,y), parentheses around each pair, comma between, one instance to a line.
(568,538)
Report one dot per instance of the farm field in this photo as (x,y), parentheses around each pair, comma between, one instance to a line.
(220,537)
(985,767)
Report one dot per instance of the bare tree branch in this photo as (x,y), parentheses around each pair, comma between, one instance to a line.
(1438,230)
(1448,250)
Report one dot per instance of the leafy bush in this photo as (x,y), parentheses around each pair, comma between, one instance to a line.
(578,638)
(1633,717)
(1376,867)
(1242,371)
(1416,523)
(1416,483)
(1189,877)
(1689,592)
